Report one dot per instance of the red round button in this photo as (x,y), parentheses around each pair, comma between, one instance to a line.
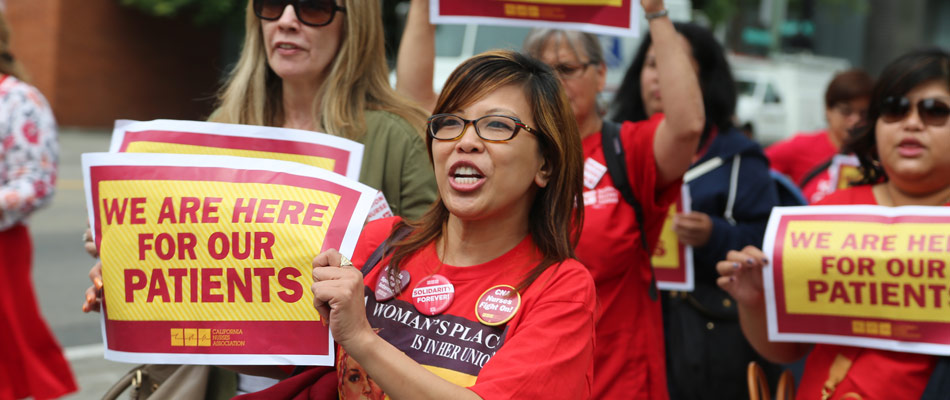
(384,289)
(433,294)
(497,305)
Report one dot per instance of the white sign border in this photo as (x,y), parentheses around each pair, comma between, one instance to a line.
(690,283)
(632,31)
(347,245)
(769,279)
(354,149)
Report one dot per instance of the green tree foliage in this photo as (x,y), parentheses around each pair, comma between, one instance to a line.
(723,11)
(202,12)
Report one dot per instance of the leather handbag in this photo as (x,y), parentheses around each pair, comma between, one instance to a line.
(759,385)
(162,381)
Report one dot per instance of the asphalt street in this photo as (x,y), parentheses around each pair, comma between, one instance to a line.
(61,267)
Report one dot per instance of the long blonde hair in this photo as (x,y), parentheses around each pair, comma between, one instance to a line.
(357,80)
(9,65)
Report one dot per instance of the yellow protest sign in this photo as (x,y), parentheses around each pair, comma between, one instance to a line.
(861,274)
(196,250)
(605,17)
(672,260)
(316,149)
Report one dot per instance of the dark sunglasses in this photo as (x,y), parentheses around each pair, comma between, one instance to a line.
(309,12)
(932,112)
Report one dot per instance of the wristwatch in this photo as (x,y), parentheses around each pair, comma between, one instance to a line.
(659,14)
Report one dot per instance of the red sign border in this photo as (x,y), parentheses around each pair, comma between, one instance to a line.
(614,17)
(309,330)
(340,157)
(786,323)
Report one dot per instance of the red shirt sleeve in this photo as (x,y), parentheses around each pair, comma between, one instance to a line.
(642,171)
(780,157)
(549,354)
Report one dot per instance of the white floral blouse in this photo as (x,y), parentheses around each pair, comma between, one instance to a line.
(30,152)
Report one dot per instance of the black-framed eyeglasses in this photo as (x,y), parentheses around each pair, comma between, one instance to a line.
(309,12)
(847,111)
(931,111)
(491,128)
(571,70)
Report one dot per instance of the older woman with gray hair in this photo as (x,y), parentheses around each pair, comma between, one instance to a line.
(618,235)
(621,227)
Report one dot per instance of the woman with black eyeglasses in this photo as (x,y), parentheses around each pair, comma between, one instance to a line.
(904,150)
(481,298)
(320,65)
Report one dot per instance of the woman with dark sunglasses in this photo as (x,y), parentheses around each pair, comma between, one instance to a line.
(320,65)
(904,150)
(481,298)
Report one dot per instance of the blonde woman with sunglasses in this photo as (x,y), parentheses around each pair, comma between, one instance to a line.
(320,65)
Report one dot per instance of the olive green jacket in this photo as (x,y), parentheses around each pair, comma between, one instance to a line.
(395,161)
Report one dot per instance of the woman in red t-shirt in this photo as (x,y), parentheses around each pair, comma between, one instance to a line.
(517,320)
(905,159)
(801,156)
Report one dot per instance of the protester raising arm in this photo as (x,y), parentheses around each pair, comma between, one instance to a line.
(681,98)
(415,63)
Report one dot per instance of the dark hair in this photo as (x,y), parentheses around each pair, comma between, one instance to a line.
(554,222)
(715,80)
(899,78)
(848,85)
(579,42)
(8,64)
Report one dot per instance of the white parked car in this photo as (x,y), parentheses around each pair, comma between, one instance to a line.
(456,43)
(783,95)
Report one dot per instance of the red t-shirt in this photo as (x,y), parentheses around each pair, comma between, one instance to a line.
(818,187)
(545,351)
(874,374)
(801,153)
(629,357)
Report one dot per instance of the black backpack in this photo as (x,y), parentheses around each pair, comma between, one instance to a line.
(789,193)
(617,167)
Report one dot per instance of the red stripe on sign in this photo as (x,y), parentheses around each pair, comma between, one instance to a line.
(618,17)
(218,337)
(340,157)
(335,232)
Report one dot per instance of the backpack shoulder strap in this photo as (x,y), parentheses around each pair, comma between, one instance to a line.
(938,387)
(384,248)
(788,193)
(814,172)
(617,167)
(617,164)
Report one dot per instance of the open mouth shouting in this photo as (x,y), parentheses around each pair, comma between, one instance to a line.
(465,176)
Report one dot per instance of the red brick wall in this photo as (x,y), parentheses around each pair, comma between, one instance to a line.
(34,26)
(97,61)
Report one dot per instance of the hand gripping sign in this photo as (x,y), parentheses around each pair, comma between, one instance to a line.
(207,259)
(606,17)
(672,260)
(865,276)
